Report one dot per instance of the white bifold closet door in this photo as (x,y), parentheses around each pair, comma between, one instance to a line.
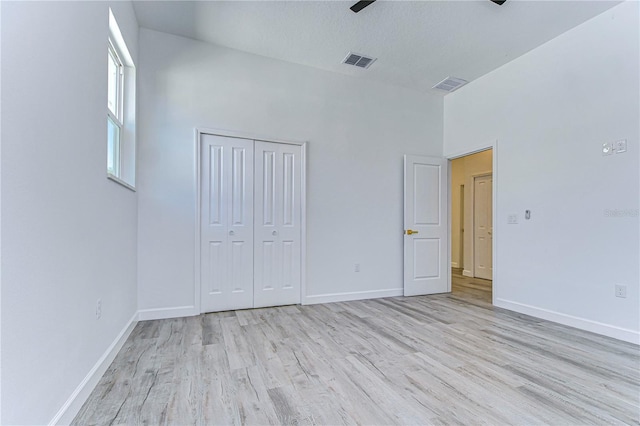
(277,224)
(250,223)
(226,223)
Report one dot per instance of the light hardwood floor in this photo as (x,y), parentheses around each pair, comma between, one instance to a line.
(472,289)
(444,359)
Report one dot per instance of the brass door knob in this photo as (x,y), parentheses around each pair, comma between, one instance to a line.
(411,231)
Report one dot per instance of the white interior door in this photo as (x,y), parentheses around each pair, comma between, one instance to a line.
(483,227)
(277,224)
(426,242)
(226,223)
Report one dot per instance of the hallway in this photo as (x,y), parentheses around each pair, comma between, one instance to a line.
(470,288)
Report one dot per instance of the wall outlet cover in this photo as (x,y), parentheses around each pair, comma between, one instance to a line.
(620,146)
(621,290)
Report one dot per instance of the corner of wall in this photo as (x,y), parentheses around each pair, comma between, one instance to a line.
(74,403)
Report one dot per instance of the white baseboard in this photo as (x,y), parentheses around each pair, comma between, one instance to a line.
(355,295)
(454,264)
(619,333)
(467,273)
(72,406)
(164,313)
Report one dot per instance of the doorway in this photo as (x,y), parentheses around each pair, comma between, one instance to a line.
(472,226)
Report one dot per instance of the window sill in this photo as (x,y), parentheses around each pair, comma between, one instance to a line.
(121,182)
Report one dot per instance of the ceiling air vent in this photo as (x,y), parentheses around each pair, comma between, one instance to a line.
(358,60)
(450,84)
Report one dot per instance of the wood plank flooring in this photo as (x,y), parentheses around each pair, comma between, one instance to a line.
(444,359)
(475,288)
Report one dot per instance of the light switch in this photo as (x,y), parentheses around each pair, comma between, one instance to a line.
(607,148)
(621,146)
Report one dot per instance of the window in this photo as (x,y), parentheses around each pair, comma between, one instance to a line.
(120,109)
(114,110)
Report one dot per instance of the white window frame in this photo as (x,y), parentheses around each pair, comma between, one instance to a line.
(124,118)
(117,116)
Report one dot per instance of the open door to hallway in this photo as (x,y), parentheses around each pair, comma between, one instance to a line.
(472,225)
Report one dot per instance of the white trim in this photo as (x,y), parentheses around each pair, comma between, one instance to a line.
(199,131)
(164,313)
(120,46)
(245,135)
(495,224)
(619,333)
(467,273)
(303,222)
(197,285)
(470,151)
(116,179)
(79,396)
(354,295)
(447,191)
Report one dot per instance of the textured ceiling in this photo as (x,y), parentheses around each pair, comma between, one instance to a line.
(417,43)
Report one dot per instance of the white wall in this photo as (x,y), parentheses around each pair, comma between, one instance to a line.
(550,111)
(68,233)
(357,133)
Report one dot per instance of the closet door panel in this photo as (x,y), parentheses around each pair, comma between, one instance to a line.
(266,271)
(277,224)
(226,225)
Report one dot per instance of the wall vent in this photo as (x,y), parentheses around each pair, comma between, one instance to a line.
(450,84)
(358,60)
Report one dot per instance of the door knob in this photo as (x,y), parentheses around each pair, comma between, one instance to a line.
(274,233)
(411,231)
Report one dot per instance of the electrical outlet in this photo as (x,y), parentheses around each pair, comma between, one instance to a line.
(356,267)
(512,219)
(98,308)
(621,146)
(621,290)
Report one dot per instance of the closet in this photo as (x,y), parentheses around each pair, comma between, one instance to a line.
(250,223)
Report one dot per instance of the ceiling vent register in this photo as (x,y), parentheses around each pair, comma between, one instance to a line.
(358,60)
(450,84)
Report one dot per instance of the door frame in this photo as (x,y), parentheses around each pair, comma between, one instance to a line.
(461,224)
(475,176)
(199,131)
(493,145)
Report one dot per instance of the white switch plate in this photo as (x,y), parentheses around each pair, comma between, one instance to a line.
(620,146)
(512,219)
(607,148)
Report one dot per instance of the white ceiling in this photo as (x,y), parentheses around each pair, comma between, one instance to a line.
(417,43)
